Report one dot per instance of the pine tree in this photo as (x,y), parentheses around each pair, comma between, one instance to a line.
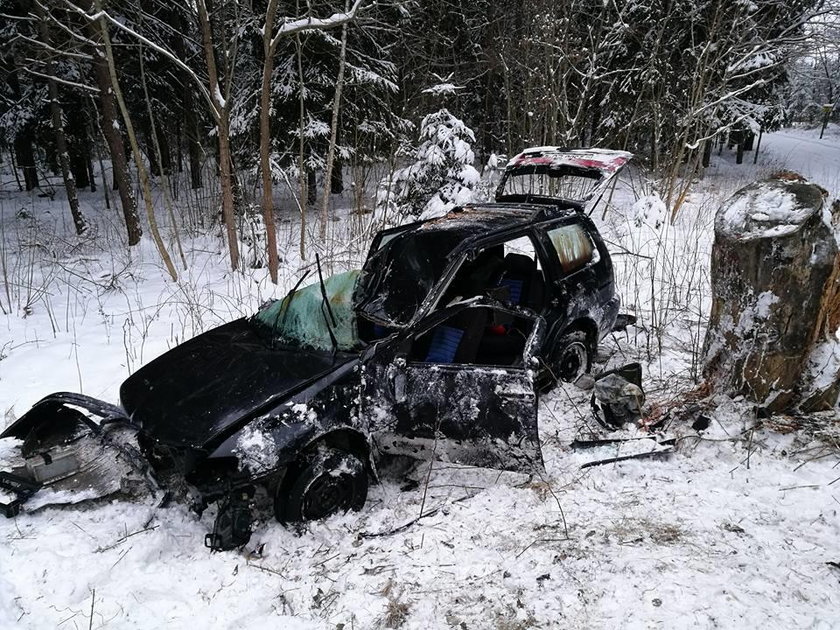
(442,175)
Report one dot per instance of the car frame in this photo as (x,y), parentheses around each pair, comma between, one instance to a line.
(449,364)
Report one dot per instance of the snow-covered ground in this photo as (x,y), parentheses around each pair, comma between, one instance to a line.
(735,529)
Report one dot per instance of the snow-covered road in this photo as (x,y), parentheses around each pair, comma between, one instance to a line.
(803,151)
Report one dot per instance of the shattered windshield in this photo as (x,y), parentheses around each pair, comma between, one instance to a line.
(301,318)
(400,275)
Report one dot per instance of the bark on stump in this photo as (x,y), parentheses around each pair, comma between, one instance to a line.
(772,261)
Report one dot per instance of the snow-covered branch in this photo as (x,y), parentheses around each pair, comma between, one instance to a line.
(104,15)
(291,27)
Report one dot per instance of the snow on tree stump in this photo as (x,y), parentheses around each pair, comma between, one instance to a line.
(773,261)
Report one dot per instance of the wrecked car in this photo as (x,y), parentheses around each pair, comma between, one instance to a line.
(437,348)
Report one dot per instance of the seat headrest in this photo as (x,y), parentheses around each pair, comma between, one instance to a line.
(520,263)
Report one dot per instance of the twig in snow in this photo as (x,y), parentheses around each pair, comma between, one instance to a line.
(749,448)
(540,540)
(92,604)
(401,528)
(431,464)
(557,500)
(813,459)
(126,537)
(82,529)
(266,569)
(325,560)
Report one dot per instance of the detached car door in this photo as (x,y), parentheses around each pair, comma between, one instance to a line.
(461,390)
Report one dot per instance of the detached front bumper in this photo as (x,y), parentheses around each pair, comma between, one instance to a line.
(74,448)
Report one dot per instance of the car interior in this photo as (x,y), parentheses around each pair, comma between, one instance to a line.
(478,336)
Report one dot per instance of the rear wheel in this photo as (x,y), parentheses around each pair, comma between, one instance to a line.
(571,358)
(329,481)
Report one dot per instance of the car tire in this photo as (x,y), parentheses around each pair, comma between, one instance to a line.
(571,358)
(329,481)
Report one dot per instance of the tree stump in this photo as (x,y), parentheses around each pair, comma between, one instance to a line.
(773,261)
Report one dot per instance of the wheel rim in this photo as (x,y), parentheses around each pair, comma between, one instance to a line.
(328,494)
(573,362)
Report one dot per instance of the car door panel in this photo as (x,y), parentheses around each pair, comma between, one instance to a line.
(469,415)
(479,415)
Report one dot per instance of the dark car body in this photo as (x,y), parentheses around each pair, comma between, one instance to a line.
(458,323)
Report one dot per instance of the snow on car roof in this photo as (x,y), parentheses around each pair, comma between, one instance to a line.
(606,161)
(483,218)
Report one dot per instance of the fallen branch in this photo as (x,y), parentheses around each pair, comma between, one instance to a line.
(126,537)
(401,528)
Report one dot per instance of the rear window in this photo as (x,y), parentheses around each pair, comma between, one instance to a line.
(573,246)
(556,183)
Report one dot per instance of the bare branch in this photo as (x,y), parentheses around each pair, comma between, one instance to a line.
(49,77)
(64,53)
(157,48)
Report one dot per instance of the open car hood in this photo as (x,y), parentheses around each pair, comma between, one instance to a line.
(598,166)
(205,388)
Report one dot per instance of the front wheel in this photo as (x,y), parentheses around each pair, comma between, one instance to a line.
(571,358)
(330,481)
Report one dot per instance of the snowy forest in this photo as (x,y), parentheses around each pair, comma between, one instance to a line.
(175,176)
(243,98)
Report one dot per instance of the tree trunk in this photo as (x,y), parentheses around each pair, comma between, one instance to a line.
(311,187)
(23,141)
(265,144)
(226,176)
(222,111)
(135,149)
(79,159)
(193,143)
(336,108)
(113,137)
(26,158)
(164,177)
(337,178)
(821,388)
(191,132)
(301,151)
(58,126)
(771,261)
(707,153)
(90,172)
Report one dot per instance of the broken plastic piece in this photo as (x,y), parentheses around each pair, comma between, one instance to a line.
(623,321)
(232,527)
(22,488)
(619,396)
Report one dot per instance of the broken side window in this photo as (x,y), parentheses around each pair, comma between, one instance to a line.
(574,247)
(510,272)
